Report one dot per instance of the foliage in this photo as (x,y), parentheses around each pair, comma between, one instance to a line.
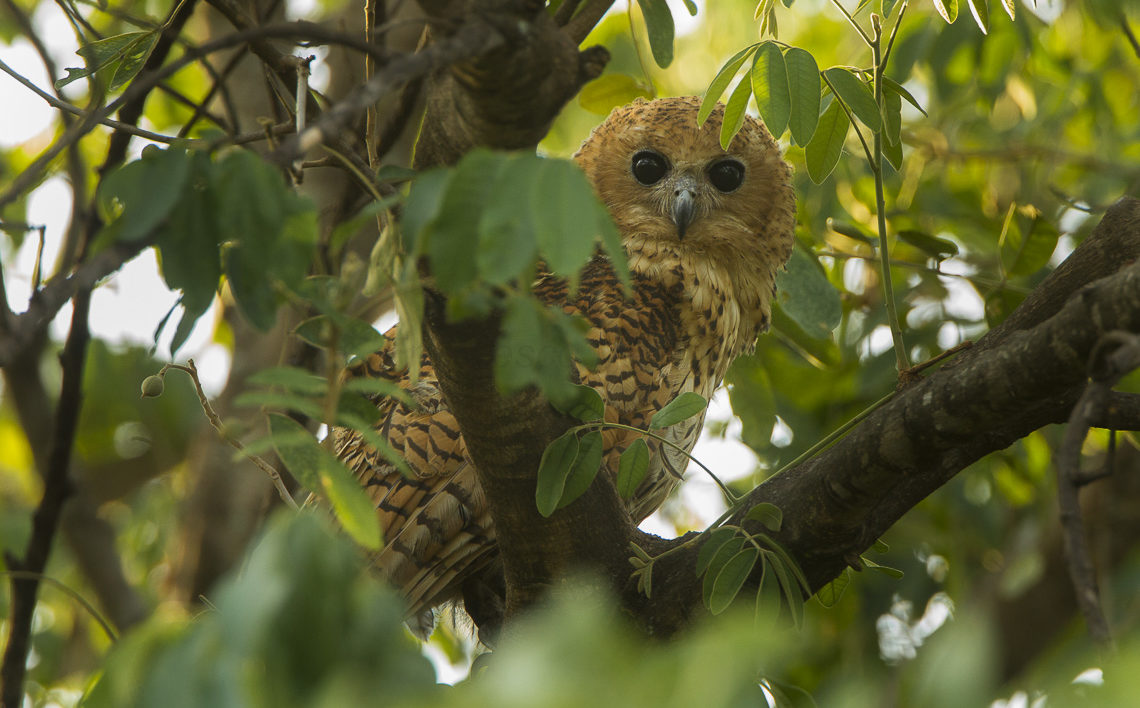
(1004,131)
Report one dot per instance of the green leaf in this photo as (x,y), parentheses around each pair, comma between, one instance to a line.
(734,111)
(709,549)
(851,231)
(948,9)
(830,594)
(936,247)
(822,153)
(683,407)
(789,590)
(752,399)
(892,117)
(880,546)
(586,404)
(632,468)
(1009,8)
(270,233)
(453,243)
(884,569)
(892,86)
(557,461)
(354,337)
(291,378)
(893,154)
(659,27)
(607,92)
(188,246)
(133,60)
(807,297)
(721,81)
(421,208)
(804,85)
(723,554)
(1025,255)
(692,7)
(395,173)
(562,201)
(731,578)
(138,197)
(767,514)
(109,53)
(888,7)
(321,472)
(584,469)
(980,9)
(856,95)
(770,86)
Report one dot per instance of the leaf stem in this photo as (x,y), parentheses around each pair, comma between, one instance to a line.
(834,435)
(851,19)
(901,359)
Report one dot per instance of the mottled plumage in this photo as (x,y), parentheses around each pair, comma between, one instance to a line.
(703,250)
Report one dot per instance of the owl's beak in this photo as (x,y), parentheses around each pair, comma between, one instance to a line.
(684,203)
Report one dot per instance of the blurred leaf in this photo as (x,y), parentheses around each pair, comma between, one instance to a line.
(557,461)
(683,407)
(807,297)
(632,468)
(822,153)
(136,198)
(586,404)
(804,85)
(291,378)
(607,92)
(562,202)
(851,231)
(584,469)
(394,173)
(856,95)
(659,27)
(731,578)
(1024,255)
(1010,10)
(932,245)
(830,595)
(122,53)
(770,86)
(721,81)
(750,394)
(453,244)
(321,472)
(892,117)
(885,570)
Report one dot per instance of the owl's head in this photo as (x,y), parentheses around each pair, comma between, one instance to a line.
(670,186)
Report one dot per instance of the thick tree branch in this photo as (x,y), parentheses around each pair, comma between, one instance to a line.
(836,504)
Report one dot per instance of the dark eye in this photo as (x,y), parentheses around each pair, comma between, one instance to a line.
(726,175)
(649,167)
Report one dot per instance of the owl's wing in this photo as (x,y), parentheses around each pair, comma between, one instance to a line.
(436,526)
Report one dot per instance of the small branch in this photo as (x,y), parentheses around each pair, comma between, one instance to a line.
(46,519)
(1121,411)
(902,361)
(216,423)
(473,39)
(70,592)
(585,19)
(1128,33)
(862,32)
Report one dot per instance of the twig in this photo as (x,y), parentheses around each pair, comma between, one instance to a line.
(472,39)
(216,423)
(586,18)
(1128,33)
(70,592)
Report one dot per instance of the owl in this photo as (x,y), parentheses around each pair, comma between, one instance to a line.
(705,230)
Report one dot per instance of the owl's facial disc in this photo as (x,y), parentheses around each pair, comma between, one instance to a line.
(683,206)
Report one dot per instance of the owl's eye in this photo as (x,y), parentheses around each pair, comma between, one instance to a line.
(649,167)
(727,175)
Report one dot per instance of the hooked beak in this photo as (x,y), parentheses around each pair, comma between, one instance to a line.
(684,203)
